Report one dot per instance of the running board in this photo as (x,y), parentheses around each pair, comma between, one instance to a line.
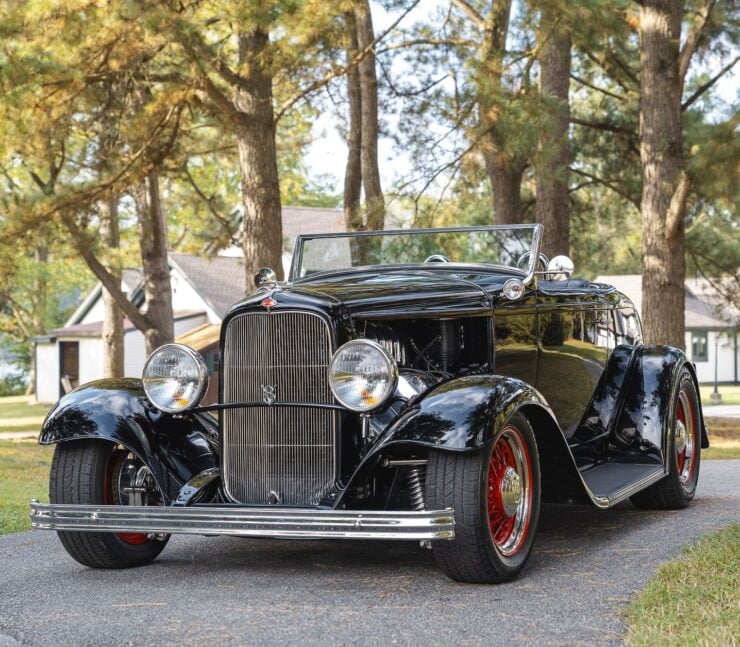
(611,483)
(298,523)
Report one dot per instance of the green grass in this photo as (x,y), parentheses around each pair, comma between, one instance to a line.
(24,475)
(17,414)
(724,438)
(730,393)
(694,599)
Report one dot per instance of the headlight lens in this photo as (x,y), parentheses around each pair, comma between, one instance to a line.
(175,378)
(362,376)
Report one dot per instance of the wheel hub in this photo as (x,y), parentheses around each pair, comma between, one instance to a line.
(511,491)
(680,436)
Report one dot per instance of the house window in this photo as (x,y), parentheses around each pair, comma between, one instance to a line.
(699,346)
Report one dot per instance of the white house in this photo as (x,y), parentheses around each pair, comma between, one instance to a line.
(711,327)
(203,289)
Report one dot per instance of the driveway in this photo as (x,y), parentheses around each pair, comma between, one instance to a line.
(585,567)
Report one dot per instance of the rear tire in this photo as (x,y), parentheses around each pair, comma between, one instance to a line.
(676,490)
(81,473)
(495,494)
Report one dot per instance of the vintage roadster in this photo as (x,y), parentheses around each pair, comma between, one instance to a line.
(427,385)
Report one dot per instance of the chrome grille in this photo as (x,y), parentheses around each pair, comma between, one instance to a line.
(278,454)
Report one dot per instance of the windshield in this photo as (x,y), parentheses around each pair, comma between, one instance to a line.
(506,245)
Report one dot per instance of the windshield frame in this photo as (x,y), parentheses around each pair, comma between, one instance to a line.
(528,275)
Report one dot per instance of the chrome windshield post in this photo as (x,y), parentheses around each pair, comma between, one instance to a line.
(534,254)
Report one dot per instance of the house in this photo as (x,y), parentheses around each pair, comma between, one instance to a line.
(712,334)
(203,290)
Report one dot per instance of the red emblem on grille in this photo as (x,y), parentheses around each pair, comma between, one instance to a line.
(268,302)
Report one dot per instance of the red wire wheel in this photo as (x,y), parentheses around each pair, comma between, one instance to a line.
(510,487)
(686,437)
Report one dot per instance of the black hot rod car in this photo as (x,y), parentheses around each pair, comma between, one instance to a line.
(428,385)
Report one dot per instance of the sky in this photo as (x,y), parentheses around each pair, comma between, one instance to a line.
(327,155)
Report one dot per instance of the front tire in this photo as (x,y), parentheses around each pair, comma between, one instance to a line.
(495,494)
(676,490)
(92,472)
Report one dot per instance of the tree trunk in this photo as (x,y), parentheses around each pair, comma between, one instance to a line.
(112,317)
(505,174)
(368,82)
(661,138)
(504,168)
(153,243)
(353,219)
(263,229)
(38,320)
(552,208)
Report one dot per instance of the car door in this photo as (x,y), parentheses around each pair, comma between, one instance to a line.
(574,341)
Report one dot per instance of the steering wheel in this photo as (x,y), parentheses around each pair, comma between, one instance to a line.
(523,261)
(437,258)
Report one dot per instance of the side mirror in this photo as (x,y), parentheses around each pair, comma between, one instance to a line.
(560,268)
(265,276)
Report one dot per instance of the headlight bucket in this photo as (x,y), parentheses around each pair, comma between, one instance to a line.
(175,378)
(362,375)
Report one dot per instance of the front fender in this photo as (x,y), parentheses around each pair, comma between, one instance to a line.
(462,414)
(117,410)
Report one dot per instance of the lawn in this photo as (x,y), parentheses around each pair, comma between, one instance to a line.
(724,438)
(24,475)
(730,393)
(694,599)
(17,414)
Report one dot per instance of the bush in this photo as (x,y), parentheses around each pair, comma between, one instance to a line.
(13,384)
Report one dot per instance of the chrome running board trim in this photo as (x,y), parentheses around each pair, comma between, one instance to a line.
(247,522)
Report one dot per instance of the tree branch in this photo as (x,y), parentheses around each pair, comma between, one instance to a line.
(693,37)
(603,125)
(342,69)
(608,185)
(705,86)
(470,12)
(677,207)
(83,245)
(596,87)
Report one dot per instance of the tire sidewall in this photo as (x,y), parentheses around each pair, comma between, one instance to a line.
(514,562)
(685,382)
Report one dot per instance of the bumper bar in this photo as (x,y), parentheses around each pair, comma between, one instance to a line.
(247,522)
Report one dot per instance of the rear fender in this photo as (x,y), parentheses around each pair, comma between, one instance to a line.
(640,430)
(174,449)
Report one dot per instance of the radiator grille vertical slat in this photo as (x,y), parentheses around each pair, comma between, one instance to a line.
(292,452)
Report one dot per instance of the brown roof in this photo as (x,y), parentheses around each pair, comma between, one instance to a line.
(312,220)
(202,337)
(95,328)
(220,280)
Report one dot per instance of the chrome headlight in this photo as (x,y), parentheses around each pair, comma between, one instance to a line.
(362,376)
(175,378)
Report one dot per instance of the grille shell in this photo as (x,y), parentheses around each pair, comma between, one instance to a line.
(291,452)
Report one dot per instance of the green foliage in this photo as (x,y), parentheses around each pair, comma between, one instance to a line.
(14,384)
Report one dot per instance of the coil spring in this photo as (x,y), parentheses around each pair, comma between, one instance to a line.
(416,487)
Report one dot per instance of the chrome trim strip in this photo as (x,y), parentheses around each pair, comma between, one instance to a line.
(247,522)
(635,487)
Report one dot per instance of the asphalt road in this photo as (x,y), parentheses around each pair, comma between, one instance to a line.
(585,567)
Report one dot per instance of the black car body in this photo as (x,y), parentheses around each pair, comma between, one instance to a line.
(504,386)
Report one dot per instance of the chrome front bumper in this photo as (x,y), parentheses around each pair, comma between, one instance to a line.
(298,523)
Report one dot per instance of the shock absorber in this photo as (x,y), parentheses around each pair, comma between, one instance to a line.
(416,486)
